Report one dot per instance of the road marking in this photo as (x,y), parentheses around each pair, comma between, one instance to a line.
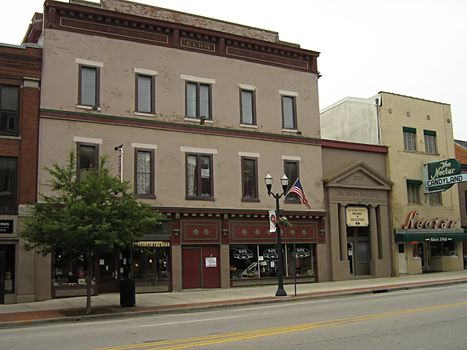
(186,343)
(189,321)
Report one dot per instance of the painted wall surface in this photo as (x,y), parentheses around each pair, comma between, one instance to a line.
(397,112)
(57,140)
(352,119)
(117,78)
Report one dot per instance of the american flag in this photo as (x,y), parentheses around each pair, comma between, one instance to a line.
(298,189)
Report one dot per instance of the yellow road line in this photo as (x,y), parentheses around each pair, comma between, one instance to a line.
(179,344)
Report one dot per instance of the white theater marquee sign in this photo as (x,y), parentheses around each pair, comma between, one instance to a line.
(440,176)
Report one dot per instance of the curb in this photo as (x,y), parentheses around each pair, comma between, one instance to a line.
(205,306)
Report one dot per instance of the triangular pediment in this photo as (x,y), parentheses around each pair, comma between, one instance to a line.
(358,175)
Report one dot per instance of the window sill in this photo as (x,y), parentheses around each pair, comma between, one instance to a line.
(253,200)
(420,152)
(199,198)
(293,131)
(145,196)
(250,126)
(141,114)
(10,137)
(198,120)
(89,108)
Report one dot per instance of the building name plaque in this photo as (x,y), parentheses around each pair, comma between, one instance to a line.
(199,45)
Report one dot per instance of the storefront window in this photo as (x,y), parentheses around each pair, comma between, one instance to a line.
(447,248)
(151,264)
(261,260)
(299,260)
(7,273)
(244,261)
(68,271)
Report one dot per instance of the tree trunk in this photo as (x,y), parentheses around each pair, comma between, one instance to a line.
(89,271)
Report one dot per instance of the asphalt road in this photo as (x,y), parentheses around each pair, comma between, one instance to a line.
(428,318)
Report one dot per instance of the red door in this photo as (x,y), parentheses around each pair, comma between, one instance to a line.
(200,267)
(191,268)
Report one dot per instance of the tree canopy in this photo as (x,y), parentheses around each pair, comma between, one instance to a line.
(87,214)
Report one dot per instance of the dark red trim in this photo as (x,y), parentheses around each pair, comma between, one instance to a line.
(353,146)
(176,127)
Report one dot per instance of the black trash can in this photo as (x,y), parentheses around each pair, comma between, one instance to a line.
(127,293)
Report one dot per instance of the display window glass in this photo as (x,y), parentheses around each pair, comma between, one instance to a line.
(151,264)
(69,272)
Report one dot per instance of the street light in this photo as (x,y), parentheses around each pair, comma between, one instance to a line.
(280,271)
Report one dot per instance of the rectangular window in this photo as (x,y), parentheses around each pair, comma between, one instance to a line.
(289,114)
(413,191)
(88,159)
(430,142)
(144,173)
(145,94)
(8,184)
(249,179)
(9,110)
(198,100)
(410,139)
(199,177)
(291,171)
(247,107)
(88,86)
(435,198)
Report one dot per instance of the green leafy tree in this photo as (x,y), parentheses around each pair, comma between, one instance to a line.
(85,217)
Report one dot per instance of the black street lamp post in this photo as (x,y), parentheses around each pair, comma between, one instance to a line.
(280,270)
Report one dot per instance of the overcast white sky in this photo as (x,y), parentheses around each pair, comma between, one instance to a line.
(411,47)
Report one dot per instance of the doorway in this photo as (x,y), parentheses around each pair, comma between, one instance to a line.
(200,267)
(358,251)
(423,252)
(402,258)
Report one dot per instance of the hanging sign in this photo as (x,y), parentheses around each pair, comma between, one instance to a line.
(440,176)
(272,221)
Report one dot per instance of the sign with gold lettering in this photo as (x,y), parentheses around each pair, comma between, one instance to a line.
(357,216)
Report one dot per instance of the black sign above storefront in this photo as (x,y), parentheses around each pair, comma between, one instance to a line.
(6,226)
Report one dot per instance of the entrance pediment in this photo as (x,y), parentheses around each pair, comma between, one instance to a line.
(359,175)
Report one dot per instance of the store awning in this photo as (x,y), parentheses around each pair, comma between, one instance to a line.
(430,235)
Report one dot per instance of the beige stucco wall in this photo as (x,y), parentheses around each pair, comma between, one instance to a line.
(57,140)
(351,119)
(117,77)
(399,111)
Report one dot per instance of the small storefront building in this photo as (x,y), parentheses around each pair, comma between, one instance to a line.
(429,245)
(358,222)
(213,250)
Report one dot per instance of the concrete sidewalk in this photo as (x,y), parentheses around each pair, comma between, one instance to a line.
(108,305)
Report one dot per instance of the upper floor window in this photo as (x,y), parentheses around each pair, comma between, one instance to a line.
(9,110)
(430,142)
(145,93)
(289,113)
(249,179)
(88,86)
(144,172)
(88,158)
(8,184)
(291,170)
(198,100)
(247,107)
(410,139)
(413,191)
(435,198)
(199,177)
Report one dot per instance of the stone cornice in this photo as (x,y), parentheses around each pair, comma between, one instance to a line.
(93,20)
